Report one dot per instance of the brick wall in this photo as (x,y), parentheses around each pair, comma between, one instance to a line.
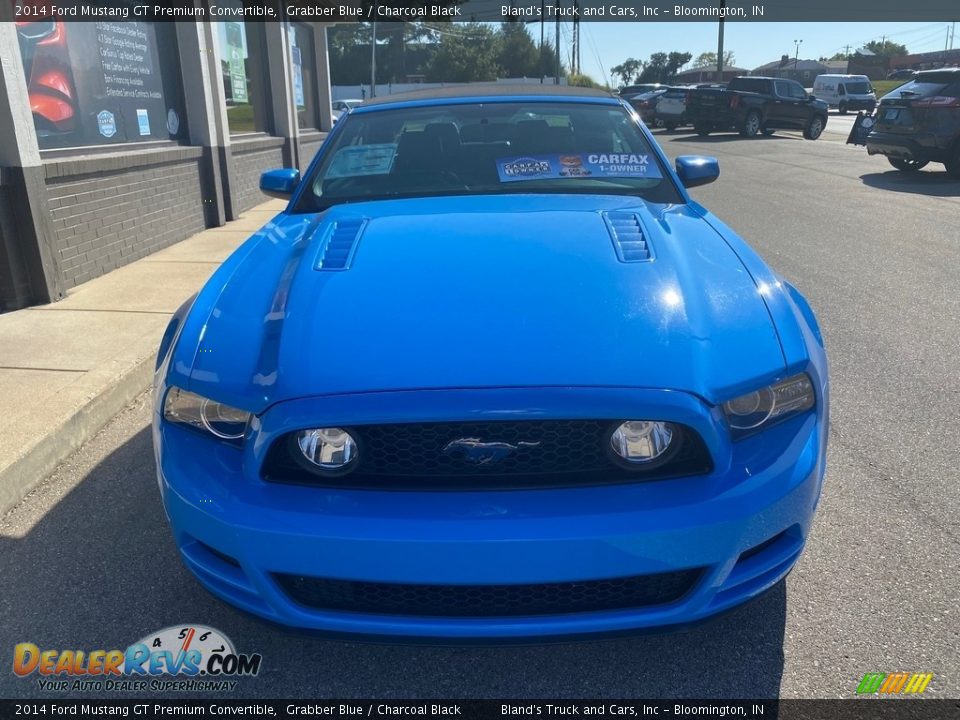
(110,210)
(14,285)
(250,159)
(309,144)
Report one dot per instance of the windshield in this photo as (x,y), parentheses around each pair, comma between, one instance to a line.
(489,148)
(858,88)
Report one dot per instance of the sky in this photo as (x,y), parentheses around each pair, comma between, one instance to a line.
(605,44)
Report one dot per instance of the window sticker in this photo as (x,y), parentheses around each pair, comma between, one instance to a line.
(374,159)
(577,165)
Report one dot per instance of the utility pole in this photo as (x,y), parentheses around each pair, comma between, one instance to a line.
(796,55)
(723,7)
(542,8)
(373,60)
(556,41)
(576,37)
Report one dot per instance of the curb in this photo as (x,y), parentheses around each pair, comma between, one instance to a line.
(24,474)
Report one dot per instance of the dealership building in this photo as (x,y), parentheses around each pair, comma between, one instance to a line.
(118,139)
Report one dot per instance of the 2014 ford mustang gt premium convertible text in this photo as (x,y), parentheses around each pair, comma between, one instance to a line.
(491,374)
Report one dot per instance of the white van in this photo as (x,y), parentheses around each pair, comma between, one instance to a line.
(845,92)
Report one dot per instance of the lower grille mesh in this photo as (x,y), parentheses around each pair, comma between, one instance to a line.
(479,601)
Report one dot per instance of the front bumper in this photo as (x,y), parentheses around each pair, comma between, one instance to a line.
(239,535)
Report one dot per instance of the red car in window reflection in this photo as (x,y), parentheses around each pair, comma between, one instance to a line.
(46,64)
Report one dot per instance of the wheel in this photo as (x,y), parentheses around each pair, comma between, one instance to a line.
(702,130)
(904,165)
(751,124)
(953,163)
(657,123)
(814,127)
(843,108)
(670,125)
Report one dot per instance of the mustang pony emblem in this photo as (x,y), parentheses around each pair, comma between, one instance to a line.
(477,452)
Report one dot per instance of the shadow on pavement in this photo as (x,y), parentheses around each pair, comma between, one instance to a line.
(100,571)
(924,182)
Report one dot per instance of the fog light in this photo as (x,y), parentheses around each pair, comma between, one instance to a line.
(642,441)
(330,450)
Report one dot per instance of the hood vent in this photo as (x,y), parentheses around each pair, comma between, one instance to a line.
(340,243)
(628,237)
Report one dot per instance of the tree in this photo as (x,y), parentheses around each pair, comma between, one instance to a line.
(517,56)
(581,80)
(467,53)
(839,56)
(548,62)
(709,60)
(628,71)
(886,48)
(662,67)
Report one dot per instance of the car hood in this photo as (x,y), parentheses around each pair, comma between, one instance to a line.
(470,292)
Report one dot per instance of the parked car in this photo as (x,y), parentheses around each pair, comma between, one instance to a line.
(346,105)
(845,92)
(752,105)
(341,107)
(901,74)
(491,373)
(671,108)
(916,123)
(646,106)
(631,91)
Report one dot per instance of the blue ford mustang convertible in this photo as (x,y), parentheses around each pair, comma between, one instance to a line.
(491,374)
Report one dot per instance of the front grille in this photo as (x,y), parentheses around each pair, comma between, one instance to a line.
(478,601)
(516,454)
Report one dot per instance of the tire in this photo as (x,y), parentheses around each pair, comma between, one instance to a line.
(814,128)
(843,108)
(702,130)
(907,166)
(751,124)
(670,125)
(953,163)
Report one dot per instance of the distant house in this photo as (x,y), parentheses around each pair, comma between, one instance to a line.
(707,74)
(837,67)
(927,60)
(803,71)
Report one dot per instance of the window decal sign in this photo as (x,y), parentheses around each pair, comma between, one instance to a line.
(374,159)
(577,165)
(106,123)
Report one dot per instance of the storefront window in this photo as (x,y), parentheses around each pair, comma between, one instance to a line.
(243,66)
(102,83)
(304,82)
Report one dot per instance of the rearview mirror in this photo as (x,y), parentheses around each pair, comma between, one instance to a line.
(694,170)
(279,183)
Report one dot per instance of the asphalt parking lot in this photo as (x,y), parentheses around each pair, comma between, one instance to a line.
(87,561)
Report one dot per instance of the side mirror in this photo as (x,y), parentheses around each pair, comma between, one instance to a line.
(694,170)
(280,183)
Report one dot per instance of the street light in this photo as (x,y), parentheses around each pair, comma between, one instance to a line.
(796,54)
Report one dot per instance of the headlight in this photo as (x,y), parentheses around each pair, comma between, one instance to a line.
(639,442)
(222,421)
(758,409)
(329,451)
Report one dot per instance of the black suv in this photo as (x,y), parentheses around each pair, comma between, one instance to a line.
(919,122)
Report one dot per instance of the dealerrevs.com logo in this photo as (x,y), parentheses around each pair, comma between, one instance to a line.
(894,683)
(177,658)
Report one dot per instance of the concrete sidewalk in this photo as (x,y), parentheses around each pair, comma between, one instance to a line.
(67,368)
